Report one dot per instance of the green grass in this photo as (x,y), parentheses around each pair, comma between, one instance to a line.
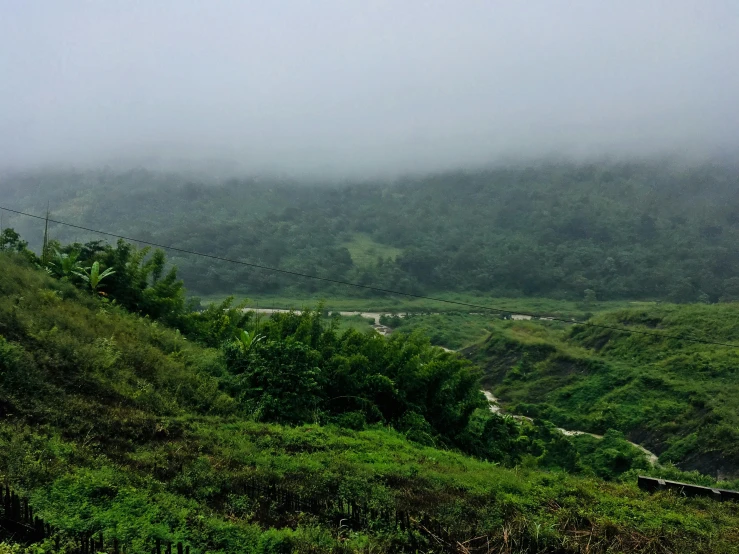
(452,330)
(525,507)
(365,251)
(361,324)
(115,423)
(677,398)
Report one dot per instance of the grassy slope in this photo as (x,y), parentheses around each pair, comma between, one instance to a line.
(452,330)
(676,397)
(113,422)
(365,251)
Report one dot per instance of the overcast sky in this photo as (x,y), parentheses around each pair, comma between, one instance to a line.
(355,86)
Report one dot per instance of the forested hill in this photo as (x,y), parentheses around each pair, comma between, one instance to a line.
(636,230)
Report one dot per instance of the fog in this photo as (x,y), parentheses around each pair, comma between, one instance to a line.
(352,87)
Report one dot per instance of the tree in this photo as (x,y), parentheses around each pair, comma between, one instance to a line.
(215,325)
(66,264)
(589,298)
(93,276)
(730,290)
(681,290)
(10,240)
(247,340)
(279,381)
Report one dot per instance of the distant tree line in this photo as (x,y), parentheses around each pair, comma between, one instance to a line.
(606,231)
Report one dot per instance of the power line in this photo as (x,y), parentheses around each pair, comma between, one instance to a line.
(372,288)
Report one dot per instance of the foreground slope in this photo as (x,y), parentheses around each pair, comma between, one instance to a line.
(114,423)
(676,397)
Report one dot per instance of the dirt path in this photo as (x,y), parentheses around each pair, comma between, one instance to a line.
(496,408)
(374,316)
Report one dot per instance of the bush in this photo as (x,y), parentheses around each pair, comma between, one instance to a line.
(277,541)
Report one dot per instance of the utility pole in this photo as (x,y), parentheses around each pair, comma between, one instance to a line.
(46,236)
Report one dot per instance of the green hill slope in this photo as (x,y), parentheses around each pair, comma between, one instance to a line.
(647,230)
(112,422)
(677,398)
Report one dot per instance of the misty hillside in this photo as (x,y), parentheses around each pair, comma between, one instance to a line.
(369,277)
(629,230)
(120,425)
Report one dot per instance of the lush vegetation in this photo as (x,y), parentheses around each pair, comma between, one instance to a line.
(141,421)
(646,230)
(440,302)
(678,398)
(452,330)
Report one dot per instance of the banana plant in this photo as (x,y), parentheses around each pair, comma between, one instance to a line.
(247,340)
(66,264)
(93,276)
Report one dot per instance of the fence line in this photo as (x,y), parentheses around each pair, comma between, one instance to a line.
(357,516)
(19,523)
(654,484)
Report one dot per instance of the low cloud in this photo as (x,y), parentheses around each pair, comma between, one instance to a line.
(360,88)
